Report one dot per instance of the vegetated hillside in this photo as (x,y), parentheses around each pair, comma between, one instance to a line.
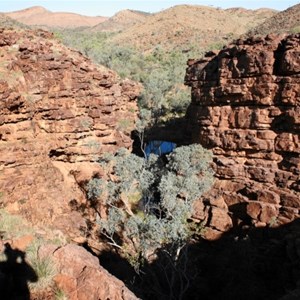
(6,22)
(185,25)
(173,36)
(285,21)
(40,16)
(161,73)
(122,20)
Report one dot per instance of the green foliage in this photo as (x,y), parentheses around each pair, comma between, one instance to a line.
(149,203)
(160,72)
(295,29)
(95,188)
(14,226)
(125,124)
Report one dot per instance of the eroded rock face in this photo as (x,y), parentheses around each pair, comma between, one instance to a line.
(246,109)
(58,113)
(82,278)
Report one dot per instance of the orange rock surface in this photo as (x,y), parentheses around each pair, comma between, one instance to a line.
(81,277)
(58,113)
(246,109)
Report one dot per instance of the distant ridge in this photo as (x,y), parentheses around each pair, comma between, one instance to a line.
(183,25)
(39,16)
(285,21)
(121,20)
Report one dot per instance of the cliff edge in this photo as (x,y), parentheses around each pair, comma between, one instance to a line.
(246,109)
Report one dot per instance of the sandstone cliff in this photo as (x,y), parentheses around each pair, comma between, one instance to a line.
(246,108)
(58,112)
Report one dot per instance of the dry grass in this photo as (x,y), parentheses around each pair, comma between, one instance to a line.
(8,22)
(12,226)
(44,267)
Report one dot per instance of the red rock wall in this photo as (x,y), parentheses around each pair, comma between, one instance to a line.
(246,109)
(58,113)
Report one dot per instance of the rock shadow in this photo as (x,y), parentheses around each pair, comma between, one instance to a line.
(15,275)
(245,263)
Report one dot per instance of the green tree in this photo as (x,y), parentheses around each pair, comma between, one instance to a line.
(160,72)
(149,203)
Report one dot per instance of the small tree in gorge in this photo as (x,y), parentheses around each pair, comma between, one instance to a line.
(149,203)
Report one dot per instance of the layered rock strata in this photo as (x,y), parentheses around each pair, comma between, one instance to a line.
(58,113)
(246,109)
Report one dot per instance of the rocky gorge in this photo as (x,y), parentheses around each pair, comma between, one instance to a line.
(59,112)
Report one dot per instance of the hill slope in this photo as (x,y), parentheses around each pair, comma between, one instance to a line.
(122,20)
(40,16)
(285,21)
(187,24)
(8,22)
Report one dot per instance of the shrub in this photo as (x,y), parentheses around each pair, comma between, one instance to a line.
(149,204)
(43,267)
(295,29)
(59,294)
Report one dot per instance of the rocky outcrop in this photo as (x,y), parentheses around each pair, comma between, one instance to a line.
(58,113)
(81,277)
(246,109)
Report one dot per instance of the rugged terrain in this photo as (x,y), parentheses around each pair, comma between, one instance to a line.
(58,112)
(41,17)
(179,27)
(285,21)
(245,108)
